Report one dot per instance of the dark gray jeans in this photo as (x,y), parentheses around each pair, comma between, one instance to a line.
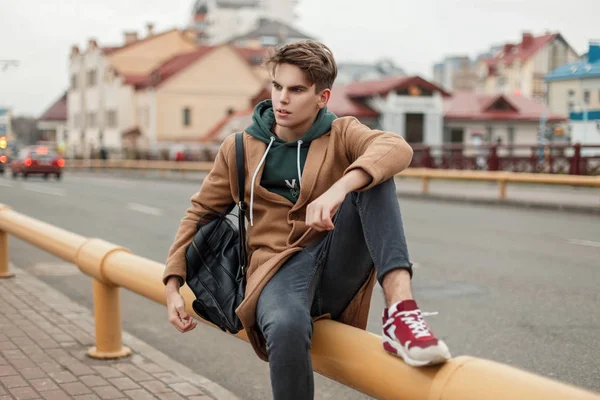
(323,279)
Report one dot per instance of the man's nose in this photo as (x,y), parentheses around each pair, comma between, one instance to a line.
(285,99)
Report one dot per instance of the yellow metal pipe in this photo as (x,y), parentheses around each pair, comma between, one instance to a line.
(346,354)
(107,315)
(59,242)
(425,181)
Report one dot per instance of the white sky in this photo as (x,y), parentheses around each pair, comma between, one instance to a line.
(415,34)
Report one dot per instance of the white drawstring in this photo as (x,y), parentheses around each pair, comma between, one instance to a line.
(299,170)
(262,160)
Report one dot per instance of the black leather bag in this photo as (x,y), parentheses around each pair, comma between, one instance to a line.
(216,261)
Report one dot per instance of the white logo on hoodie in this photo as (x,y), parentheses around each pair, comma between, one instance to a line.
(294,189)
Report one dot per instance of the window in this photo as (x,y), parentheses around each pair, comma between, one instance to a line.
(73,81)
(111,119)
(511,135)
(76,120)
(586,96)
(187,117)
(91,120)
(489,131)
(91,78)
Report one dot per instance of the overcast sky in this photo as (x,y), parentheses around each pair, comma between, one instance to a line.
(415,34)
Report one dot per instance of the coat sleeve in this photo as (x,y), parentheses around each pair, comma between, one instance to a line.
(380,154)
(215,194)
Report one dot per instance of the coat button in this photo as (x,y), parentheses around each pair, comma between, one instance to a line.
(294,216)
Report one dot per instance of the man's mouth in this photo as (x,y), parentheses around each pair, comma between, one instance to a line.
(283,111)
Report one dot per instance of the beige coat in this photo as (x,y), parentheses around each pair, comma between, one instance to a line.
(279,230)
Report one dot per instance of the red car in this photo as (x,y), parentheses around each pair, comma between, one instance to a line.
(37,160)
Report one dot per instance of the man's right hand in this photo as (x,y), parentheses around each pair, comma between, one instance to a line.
(178,317)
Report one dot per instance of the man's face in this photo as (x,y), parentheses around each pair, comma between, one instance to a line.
(295,102)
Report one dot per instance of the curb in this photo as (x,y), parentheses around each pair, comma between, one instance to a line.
(457,199)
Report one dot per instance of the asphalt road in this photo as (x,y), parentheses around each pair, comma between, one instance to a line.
(520,287)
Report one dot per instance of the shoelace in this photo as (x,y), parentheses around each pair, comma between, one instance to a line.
(414,320)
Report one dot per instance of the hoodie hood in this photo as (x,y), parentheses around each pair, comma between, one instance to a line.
(263,120)
(283,166)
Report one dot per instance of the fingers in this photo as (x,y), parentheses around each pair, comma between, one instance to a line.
(181,320)
(318,217)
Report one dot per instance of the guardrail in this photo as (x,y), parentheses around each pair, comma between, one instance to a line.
(348,355)
(425,174)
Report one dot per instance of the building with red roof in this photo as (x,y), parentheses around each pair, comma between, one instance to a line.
(53,121)
(520,68)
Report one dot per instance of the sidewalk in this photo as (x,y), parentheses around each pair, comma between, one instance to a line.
(44,338)
(580,199)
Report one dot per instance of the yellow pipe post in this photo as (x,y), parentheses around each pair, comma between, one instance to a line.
(4,270)
(91,257)
(425,185)
(107,315)
(502,187)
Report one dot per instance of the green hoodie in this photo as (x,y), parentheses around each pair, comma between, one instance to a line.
(282,173)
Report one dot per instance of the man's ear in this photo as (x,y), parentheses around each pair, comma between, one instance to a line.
(324,97)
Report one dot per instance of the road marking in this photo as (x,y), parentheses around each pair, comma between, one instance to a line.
(584,242)
(46,190)
(5,184)
(144,209)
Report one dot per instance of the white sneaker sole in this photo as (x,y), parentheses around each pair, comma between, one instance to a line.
(442,356)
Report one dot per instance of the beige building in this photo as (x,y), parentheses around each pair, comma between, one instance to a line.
(189,94)
(520,68)
(101,97)
(455,73)
(155,91)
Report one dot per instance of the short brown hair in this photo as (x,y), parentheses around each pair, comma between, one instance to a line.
(313,58)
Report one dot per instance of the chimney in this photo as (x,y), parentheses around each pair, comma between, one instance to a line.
(527,39)
(92,43)
(74,50)
(149,29)
(130,37)
(508,47)
(594,52)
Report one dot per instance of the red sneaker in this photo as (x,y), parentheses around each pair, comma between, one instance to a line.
(406,335)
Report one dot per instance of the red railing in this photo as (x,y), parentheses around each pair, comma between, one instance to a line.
(554,159)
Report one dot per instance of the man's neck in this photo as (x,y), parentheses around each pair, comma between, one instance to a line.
(292,134)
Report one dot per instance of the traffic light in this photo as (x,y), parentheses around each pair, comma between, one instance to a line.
(3,142)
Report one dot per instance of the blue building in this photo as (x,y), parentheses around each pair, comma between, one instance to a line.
(574,90)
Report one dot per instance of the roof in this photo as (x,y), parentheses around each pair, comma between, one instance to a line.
(167,69)
(384,86)
(269,27)
(240,117)
(57,111)
(580,69)
(473,106)
(342,105)
(521,51)
(252,56)
(179,62)
(109,50)
(237,3)
(351,71)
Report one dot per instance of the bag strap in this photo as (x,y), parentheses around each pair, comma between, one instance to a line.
(241,177)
